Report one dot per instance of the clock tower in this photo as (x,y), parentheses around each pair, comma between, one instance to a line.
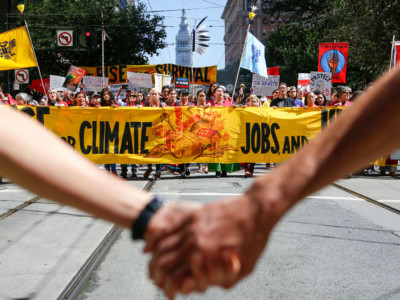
(183,43)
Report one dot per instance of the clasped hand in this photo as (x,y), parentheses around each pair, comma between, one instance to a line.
(196,246)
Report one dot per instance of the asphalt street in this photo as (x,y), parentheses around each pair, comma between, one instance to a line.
(333,245)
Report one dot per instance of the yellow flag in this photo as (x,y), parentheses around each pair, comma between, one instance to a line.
(15,50)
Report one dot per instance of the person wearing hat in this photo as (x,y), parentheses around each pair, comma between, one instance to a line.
(94,99)
(343,97)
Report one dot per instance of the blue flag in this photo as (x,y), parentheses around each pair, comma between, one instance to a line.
(254,56)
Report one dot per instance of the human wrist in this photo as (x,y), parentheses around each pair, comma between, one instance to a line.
(139,225)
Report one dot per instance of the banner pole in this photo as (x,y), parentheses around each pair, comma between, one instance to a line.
(392,53)
(33,49)
(240,62)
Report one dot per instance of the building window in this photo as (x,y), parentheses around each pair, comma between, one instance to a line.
(247,21)
(272,30)
(264,31)
(280,20)
(265,21)
(272,20)
(287,20)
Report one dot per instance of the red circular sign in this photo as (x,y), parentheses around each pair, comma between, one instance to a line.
(65,38)
(21,76)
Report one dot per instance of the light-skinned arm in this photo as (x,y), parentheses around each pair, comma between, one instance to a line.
(201,251)
(36,159)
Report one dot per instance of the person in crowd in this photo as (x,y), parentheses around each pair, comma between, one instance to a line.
(54,98)
(240,100)
(107,98)
(292,93)
(343,97)
(300,95)
(80,99)
(221,170)
(22,99)
(154,101)
(132,101)
(320,99)
(201,102)
(71,99)
(165,90)
(171,97)
(94,100)
(211,91)
(310,100)
(275,94)
(283,100)
(140,96)
(334,96)
(6,98)
(184,169)
(249,167)
(43,101)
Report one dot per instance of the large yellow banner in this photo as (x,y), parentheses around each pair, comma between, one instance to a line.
(181,134)
(15,50)
(117,73)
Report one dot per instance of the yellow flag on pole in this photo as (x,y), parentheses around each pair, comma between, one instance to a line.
(16,50)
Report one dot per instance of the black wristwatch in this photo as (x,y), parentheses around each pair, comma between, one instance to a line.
(139,226)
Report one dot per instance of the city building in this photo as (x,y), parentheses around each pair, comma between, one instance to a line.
(124,3)
(183,46)
(236,17)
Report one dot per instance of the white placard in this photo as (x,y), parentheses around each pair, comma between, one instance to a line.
(139,80)
(263,86)
(158,84)
(321,81)
(303,82)
(21,76)
(56,82)
(65,38)
(94,84)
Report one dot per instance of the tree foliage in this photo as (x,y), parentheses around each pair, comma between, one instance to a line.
(134,32)
(368,26)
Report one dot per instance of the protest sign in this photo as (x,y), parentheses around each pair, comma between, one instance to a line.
(118,73)
(263,86)
(56,82)
(303,82)
(38,86)
(139,80)
(73,78)
(333,59)
(321,81)
(94,84)
(158,81)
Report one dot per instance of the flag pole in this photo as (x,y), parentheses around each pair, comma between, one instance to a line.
(240,62)
(34,53)
(392,53)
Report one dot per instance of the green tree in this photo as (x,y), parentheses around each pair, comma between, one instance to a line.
(368,26)
(134,32)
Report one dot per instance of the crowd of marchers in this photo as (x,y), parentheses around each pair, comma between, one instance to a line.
(216,95)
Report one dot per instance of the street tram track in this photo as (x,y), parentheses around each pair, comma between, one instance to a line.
(77,283)
(368,199)
(19,207)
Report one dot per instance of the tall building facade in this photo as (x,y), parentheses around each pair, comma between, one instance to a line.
(124,3)
(183,43)
(236,17)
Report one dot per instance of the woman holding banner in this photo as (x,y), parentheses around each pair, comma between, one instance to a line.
(221,170)
(107,99)
(310,100)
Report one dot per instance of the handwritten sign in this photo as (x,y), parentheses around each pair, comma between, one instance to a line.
(321,81)
(56,82)
(94,84)
(139,80)
(263,86)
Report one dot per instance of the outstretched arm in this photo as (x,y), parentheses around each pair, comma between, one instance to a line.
(190,256)
(36,159)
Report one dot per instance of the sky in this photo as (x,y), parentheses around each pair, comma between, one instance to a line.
(171,10)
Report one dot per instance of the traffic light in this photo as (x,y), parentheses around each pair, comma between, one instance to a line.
(87,38)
